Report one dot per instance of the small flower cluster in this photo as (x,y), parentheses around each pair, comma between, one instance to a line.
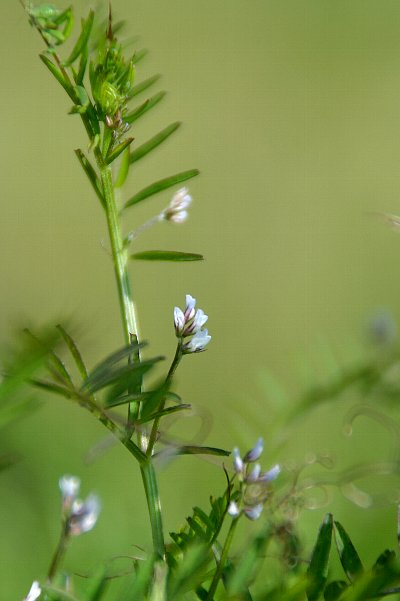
(253,483)
(188,324)
(176,210)
(79,516)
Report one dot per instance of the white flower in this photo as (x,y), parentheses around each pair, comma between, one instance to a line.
(233,509)
(198,342)
(190,307)
(69,486)
(34,592)
(179,321)
(84,515)
(176,210)
(198,322)
(189,323)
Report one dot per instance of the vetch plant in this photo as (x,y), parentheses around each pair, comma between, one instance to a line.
(198,561)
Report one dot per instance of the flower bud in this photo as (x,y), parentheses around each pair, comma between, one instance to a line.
(34,593)
(233,509)
(255,453)
(271,475)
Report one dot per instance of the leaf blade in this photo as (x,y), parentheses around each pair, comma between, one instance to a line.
(160,185)
(166,255)
(318,569)
(155,141)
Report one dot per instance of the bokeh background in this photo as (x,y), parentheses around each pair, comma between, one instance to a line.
(291,111)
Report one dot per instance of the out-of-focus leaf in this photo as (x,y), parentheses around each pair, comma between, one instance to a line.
(384,560)
(142,86)
(143,108)
(115,357)
(162,184)
(163,412)
(154,400)
(120,375)
(74,351)
(148,146)
(57,594)
(241,576)
(348,555)
(190,571)
(318,569)
(82,41)
(166,255)
(197,450)
(54,388)
(334,590)
(96,585)
(140,581)
(139,54)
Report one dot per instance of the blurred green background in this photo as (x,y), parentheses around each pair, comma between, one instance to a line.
(291,111)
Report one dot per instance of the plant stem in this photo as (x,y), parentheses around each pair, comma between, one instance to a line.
(59,553)
(156,422)
(119,254)
(128,316)
(222,561)
(154,506)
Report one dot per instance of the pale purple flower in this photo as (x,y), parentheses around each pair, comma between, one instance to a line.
(271,475)
(84,515)
(34,593)
(254,474)
(253,513)
(255,453)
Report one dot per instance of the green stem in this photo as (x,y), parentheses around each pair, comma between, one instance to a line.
(222,561)
(119,254)
(156,422)
(120,258)
(59,553)
(153,502)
